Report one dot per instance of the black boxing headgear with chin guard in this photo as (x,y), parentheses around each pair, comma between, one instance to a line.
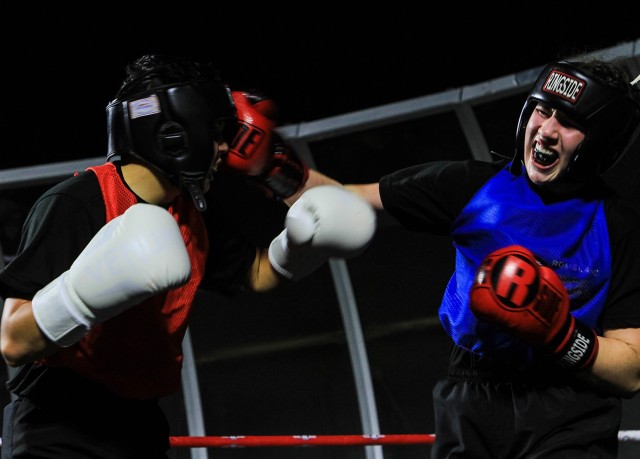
(607,115)
(171,126)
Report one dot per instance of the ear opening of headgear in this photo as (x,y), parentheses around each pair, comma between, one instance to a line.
(607,114)
(172,127)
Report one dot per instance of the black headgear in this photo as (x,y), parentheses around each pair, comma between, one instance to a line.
(173,127)
(607,115)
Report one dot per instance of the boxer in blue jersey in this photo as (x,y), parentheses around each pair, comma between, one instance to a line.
(543,308)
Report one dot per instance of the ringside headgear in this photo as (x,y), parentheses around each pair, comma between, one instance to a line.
(607,115)
(172,126)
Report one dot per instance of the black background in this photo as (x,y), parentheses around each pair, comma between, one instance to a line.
(62,64)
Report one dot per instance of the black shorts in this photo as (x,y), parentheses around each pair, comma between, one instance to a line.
(482,414)
(64,416)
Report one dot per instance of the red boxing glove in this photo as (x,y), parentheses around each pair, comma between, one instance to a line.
(258,152)
(251,150)
(514,290)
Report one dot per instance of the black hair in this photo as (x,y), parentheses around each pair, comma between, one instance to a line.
(153,70)
(615,73)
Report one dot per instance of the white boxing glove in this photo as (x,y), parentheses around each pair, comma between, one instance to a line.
(134,256)
(325,222)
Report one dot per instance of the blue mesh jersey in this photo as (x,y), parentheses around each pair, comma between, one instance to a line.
(590,239)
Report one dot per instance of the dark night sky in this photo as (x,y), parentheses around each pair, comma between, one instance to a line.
(62,65)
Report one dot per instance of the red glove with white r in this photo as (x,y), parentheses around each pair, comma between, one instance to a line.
(258,152)
(516,291)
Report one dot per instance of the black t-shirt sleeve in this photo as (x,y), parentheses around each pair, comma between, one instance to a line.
(429,197)
(231,251)
(58,227)
(623,304)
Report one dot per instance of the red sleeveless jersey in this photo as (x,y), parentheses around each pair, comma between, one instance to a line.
(138,353)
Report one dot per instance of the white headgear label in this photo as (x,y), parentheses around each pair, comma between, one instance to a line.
(565,86)
(144,107)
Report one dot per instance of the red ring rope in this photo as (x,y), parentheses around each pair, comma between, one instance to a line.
(302,440)
(329,440)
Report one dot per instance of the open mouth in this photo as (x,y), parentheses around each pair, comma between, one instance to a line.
(543,157)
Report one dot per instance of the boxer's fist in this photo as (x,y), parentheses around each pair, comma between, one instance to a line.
(258,152)
(325,222)
(134,256)
(515,290)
